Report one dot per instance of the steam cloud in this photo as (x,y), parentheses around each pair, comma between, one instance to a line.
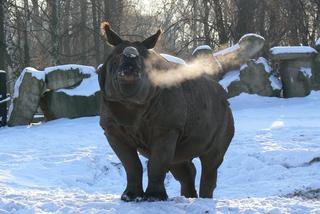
(213,65)
(210,65)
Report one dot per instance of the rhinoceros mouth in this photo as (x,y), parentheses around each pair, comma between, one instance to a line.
(127,76)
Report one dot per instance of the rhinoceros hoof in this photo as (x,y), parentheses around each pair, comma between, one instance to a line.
(131,196)
(155,196)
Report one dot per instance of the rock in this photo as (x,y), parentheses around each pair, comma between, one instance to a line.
(65,76)
(27,92)
(202,50)
(81,101)
(315,78)
(294,65)
(236,88)
(248,47)
(292,52)
(317,45)
(296,80)
(255,77)
(173,59)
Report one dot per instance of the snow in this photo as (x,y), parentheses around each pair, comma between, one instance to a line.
(243,66)
(306,72)
(292,50)
(228,78)
(318,42)
(173,59)
(201,47)
(4,100)
(87,87)
(67,166)
(275,83)
(1,71)
(244,37)
(265,63)
(227,50)
(82,68)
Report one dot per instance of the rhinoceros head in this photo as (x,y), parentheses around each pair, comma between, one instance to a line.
(124,75)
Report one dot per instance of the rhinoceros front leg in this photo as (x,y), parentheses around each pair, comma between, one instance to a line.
(162,153)
(131,162)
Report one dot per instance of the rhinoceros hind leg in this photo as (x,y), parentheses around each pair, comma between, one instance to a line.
(185,173)
(209,164)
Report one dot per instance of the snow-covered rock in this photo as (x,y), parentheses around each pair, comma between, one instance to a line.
(317,45)
(65,76)
(295,65)
(173,59)
(292,52)
(202,49)
(315,72)
(28,89)
(80,101)
(255,77)
(247,48)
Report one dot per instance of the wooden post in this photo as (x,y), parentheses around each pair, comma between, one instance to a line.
(3,96)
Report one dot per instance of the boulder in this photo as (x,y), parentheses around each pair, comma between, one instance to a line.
(317,45)
(27,92)
(202,50)
(65,76)
(258,79)
(315,78)
(296,79)
(248,47)
(80,101)
(255,77)
(294,65)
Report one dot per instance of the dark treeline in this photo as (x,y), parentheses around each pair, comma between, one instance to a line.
(41,33)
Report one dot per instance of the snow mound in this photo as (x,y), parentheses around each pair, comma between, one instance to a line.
(292,50)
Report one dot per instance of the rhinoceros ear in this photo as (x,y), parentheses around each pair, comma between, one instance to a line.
(150,42)
(112,37)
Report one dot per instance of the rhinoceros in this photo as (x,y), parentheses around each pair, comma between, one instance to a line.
(170,126)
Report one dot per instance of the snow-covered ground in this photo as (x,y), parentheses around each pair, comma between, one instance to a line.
(67,166)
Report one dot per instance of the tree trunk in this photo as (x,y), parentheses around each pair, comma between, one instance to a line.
(66,27)
(245,19)
(206,29)
(95,24)
(223,37)
(83,31)
(3,52)
(26,58)
(55,30)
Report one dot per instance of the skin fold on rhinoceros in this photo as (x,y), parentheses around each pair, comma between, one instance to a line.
(170,126)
